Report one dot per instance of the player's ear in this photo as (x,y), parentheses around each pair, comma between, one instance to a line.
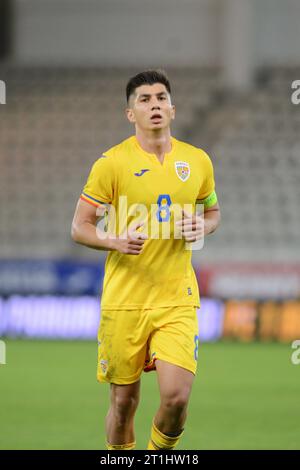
(173,111)
(130,115)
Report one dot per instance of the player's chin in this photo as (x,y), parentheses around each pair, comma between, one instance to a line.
(157,125)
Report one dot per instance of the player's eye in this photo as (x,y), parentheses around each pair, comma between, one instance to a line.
(162,98)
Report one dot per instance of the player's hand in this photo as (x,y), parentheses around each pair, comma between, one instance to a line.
(133,243)
(192,226)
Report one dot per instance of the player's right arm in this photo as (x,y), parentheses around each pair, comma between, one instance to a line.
(85,232)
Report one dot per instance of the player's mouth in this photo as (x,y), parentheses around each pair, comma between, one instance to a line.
(156,117)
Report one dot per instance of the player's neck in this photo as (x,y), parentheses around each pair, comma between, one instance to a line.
(159,144)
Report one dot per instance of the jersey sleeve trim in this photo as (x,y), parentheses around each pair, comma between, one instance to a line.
(91,200)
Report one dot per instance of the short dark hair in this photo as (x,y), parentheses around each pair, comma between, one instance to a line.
(149,77)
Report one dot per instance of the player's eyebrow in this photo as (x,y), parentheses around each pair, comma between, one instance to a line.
(146,95)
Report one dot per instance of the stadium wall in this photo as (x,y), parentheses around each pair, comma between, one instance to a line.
(149,33)
(115,32)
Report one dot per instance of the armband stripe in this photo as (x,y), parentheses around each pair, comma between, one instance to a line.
(209,201)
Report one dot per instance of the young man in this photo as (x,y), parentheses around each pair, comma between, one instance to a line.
(150,292)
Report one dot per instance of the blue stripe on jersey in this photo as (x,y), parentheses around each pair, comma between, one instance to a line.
(90,197)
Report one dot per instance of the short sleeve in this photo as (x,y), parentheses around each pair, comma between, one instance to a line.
(208,183)
(99,188)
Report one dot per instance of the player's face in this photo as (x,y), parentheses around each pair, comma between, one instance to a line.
(151,107)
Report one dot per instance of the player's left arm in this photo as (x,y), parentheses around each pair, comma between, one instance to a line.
(212,218)
(207,216)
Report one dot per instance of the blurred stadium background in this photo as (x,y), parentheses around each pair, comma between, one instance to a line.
(65,65)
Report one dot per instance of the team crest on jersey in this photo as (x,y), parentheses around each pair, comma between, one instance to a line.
(182,170)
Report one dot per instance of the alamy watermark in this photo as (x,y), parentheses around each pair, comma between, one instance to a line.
(2,92)
(164,220)
(295,98)
(2,353)
(295,358)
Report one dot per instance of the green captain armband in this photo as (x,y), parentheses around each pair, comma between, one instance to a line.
(209,201)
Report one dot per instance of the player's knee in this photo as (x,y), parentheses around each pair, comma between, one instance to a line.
(176,401)
(124,407)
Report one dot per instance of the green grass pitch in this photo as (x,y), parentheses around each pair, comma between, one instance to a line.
(245,396)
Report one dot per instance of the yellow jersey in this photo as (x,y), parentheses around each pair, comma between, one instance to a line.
(162,274)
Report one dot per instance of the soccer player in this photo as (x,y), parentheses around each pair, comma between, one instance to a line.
(150,293)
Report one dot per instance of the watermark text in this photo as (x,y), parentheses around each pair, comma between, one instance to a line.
(2,353)
(295,98)
(295,358)
(2,92)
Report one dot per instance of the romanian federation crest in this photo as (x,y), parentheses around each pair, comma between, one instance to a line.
(104,365)
(182,170)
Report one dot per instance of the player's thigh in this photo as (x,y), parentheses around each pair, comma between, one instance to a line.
(122,345)
(175,338)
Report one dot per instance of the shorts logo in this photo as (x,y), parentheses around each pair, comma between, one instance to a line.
(189,291)
(182,170)
(104,365)
(196,341)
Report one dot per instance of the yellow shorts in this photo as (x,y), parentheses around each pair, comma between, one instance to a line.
(130,341)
